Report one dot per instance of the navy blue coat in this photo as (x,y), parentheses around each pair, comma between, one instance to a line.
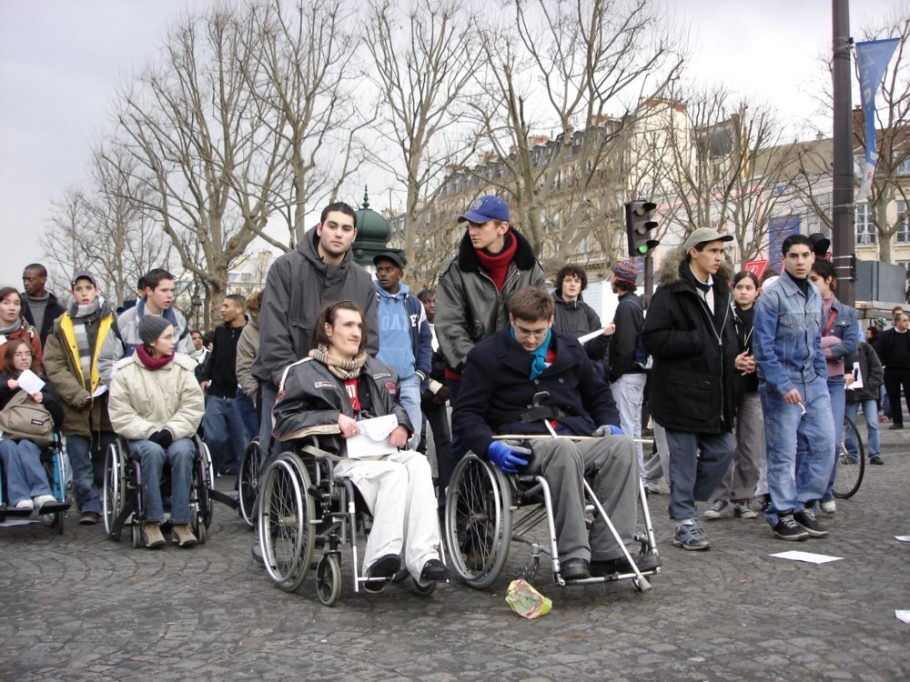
(496,388)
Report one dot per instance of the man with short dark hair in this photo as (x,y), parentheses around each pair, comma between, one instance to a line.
(405,343)
(321,269)
(574,316)
(894,351)
(690,335)
(222,424)
(793,385)
(157,298)
(502,374)
(39,307)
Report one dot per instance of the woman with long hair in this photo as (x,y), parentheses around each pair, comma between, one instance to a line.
(14,326)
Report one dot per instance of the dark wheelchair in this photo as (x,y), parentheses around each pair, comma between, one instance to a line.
(486,510)
(123,495)
(54,464)
(305,508)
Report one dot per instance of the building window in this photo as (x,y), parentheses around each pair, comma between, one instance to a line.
(903,230)
(865,230)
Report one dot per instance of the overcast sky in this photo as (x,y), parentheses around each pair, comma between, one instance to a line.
(60,62)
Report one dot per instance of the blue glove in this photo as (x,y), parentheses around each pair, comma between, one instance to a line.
(608,430)
(505,456)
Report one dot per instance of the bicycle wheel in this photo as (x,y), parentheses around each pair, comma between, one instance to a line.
(850,467)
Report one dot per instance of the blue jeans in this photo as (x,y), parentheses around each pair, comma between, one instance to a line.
(25,477)
(694,475)
(870,412)
(838,393)
(249,415)
(785,425)
(87,461)
(222,425)
(152,457)
(409,396)
(628,392)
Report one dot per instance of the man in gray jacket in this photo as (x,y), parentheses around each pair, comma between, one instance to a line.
(321,269)
(493,262)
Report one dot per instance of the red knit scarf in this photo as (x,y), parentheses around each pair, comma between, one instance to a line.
(498,266)
(150,362)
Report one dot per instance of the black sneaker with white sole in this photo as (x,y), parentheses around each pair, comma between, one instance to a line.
(788,529)
(806,519)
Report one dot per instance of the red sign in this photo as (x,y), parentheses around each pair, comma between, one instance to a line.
(756,267)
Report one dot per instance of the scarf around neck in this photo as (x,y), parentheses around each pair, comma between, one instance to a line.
(343,369)
(151,363)
(75,310)
(497,266)
(14,327)
(539,364)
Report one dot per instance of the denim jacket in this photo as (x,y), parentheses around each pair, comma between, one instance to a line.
(786,340)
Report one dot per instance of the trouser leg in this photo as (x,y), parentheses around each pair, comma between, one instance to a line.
(561,464)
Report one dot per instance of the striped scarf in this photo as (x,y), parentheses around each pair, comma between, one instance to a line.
(80,315)
(343,369)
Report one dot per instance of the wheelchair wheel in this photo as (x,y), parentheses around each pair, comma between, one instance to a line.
(205,481)
(248,481)
(328,579)
(285,512)
(850,472)
(59,521)
(478,526)
(136,535)
(114,493)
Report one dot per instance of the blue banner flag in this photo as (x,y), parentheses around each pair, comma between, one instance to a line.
(872,59)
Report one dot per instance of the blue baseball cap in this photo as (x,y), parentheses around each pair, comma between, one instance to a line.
(487,207)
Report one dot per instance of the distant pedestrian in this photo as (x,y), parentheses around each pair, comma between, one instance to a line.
(157,299)
(865,396)
(39,306)
(574,316)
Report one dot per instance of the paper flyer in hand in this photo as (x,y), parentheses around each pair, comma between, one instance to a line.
(30,382)
(373,439)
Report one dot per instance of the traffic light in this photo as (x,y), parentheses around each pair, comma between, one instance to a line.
(639,223)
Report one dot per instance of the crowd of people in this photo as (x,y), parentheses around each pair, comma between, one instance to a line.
(745,383)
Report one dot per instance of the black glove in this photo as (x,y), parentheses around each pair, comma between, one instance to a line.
(164,438)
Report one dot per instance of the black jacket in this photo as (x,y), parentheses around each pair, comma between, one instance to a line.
(578,318)
(870,368)
(885,348)
(311,396)
(629,319)
(496,388)
(694,352)
(220,368)
(52,311)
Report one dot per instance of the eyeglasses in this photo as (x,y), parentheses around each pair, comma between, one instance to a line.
(22,355)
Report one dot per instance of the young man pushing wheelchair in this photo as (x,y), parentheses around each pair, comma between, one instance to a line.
(501,378)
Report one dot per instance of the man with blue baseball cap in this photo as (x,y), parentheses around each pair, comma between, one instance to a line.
(493,261)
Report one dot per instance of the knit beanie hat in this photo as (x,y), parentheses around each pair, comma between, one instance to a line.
(151,327)
(626,271)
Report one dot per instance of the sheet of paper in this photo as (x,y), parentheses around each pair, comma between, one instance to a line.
(373,439)
(808,557)
(588,337)
(903,616)
(101,390)
(30,382)
(17,522)
(902,538)
(858,376)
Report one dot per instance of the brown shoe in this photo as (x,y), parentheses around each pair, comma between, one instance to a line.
(182,535)
(151,535)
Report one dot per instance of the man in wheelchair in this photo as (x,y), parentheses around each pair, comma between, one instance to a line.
(330,392)
(502,377)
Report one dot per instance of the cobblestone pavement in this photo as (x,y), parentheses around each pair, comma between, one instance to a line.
(80,607)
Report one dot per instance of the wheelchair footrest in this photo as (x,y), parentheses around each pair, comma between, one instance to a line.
(223,498)
(54,508)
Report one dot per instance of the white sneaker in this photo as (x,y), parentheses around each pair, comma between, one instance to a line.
(829,507)
(42,500)
(25,504)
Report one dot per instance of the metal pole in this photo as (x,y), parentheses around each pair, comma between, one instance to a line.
(649,278)
(842,216)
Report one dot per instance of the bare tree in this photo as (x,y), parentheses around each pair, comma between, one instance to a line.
(223,131)
(725,166)
(423,71)
(101,230)
(583,70)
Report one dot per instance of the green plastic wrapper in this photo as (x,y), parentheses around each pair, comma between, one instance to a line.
(526,601)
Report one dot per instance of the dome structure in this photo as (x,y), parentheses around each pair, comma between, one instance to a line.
(373,233)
